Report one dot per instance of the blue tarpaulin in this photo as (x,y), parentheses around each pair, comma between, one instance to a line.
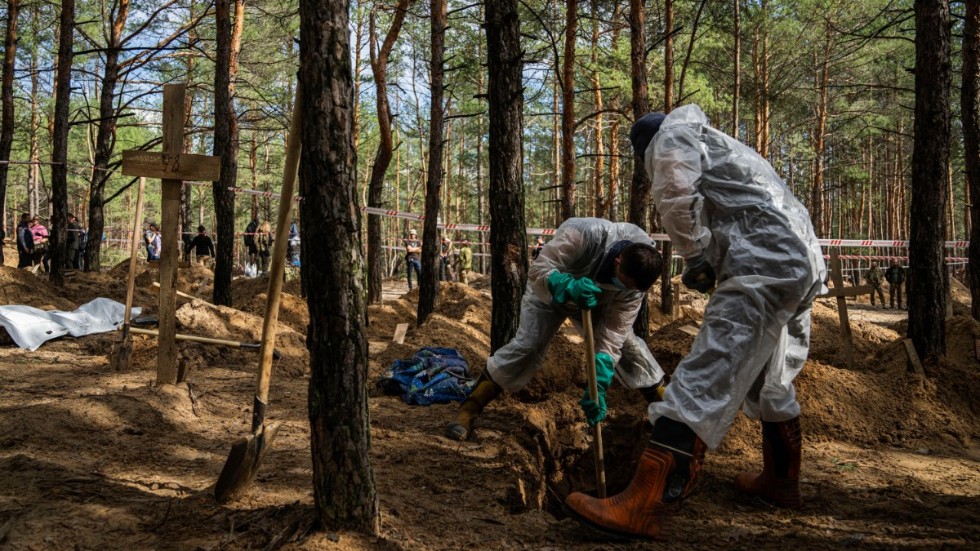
(432,376)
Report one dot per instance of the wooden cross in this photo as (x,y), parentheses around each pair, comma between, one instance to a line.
(841,293)
(172,166)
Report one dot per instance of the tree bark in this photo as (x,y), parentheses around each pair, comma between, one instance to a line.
(970,109)
(508,237)
(379,67)
(568,112)
(642,325)
(7,101)
(668,55)
(640,185)
(599,163)
(819,140)
(737,63)
(927,282)
(344,491)
(105,138)
(225,142)
(429,282)
(59,145)
(34,173)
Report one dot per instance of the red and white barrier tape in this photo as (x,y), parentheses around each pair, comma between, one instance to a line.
(551,231)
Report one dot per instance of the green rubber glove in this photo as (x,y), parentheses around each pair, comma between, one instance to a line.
(566,288)
(558,284)
(595,411)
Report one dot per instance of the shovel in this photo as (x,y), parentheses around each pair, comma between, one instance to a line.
(600,462)
(122,351)
(207,340)
(246,454)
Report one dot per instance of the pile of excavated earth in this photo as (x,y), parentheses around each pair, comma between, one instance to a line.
(95,458)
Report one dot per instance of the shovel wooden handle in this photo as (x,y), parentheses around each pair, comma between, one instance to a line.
(204,340)
(278,267)
(600,462)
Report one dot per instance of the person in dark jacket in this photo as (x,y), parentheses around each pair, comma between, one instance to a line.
(73,241)
(25,242)
(251,247)
(895,276)
(202,245)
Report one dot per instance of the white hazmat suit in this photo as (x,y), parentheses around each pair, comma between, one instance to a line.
(719,198)
(581,247)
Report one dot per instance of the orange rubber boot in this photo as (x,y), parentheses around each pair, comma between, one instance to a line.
(779,481)
(638,511)
(668,471)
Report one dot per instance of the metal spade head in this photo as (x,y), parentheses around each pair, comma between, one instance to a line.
(243,463)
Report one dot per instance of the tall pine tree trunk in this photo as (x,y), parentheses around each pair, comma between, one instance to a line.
(429,282)
(105,138)
(508,238)
(819,141)
(225,142)
(599,166)
(927,280)
(640,184)
(668,55)
(736,62)
(59,145)
(344,491)
(970,109)
(7,101)
(568,112)
(379,67)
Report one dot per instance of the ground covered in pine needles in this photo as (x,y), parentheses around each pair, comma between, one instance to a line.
(99,459)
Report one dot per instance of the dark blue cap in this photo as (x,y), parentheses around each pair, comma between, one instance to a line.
(643,131)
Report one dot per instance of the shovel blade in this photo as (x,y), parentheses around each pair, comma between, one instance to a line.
(243,463)
(120,354)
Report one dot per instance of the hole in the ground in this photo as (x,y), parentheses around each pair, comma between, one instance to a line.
(558,457)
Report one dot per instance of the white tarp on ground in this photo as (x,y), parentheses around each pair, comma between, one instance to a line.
(30,327)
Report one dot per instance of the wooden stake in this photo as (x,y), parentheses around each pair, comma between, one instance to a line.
(845,324)
(173,142)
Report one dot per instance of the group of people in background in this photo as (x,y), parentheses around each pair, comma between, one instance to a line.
(895,276)
(455,264)
(33,243)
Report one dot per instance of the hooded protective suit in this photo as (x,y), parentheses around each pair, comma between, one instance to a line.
(719,198)
(581,247)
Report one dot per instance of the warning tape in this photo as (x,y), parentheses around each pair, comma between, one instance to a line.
(551,231)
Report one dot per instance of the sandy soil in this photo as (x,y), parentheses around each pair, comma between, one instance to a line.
(98,459)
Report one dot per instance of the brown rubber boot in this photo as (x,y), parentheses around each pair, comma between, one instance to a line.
(483,393)
(779,481)
(637,512)
(668,471)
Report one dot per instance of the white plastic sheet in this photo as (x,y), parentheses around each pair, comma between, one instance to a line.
(30,327)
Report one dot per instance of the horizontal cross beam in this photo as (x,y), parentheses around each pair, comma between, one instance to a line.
(171,166)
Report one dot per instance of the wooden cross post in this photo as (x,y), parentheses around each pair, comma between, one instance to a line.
(842,293)
(172,166)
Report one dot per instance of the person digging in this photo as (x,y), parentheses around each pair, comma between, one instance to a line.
(591,263)
(735,222)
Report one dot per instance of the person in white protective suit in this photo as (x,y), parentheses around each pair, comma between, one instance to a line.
(590,263)
(735,222)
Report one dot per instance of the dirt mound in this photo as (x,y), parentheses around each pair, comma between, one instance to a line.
(9,252)
(23,287)
(193,279)
(462,321)
(220,322)
(251,295)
